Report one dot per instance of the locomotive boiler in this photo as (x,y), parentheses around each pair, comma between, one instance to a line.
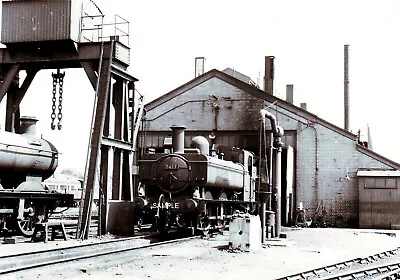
(193,189)
(25,161)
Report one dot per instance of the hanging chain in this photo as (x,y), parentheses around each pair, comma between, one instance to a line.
(60,98)
(58,78)
(53,107)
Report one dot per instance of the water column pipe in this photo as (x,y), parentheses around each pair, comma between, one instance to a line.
(277,133)
(264,193)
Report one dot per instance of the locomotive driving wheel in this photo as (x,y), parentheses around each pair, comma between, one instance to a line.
(26,225)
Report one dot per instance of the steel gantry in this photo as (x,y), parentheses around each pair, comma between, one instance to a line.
(110,155)
(69,34)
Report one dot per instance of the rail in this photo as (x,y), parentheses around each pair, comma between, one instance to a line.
(373,265)
(26,261)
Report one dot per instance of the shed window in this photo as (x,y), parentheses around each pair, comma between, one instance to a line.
(167,141)
(391,183)
(381,183)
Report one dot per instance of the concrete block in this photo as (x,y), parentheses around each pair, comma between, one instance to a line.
(10,240)
(245,233)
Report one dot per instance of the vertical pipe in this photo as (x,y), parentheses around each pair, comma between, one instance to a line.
(346,87)
(261,196)
(263,222)
(278,218)
(270,171)
(277,133)
(178,139)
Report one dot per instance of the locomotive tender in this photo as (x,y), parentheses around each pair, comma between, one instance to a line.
(25,161)
(190,189)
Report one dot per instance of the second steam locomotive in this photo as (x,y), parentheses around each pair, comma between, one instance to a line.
(25,161)
(190,188)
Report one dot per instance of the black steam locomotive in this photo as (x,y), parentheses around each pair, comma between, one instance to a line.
(193,189)
(25,161)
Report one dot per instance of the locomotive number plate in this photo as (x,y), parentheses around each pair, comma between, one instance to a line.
(171,167)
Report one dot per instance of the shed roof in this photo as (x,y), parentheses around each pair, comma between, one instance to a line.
(257,92)
(378,173)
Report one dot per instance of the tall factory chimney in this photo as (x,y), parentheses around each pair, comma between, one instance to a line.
(346,87)
(269,75)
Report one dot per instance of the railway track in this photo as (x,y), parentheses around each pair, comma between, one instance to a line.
(26,261)
(384,265)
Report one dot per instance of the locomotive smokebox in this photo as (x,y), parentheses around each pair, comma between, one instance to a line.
(178,139)
(28,125)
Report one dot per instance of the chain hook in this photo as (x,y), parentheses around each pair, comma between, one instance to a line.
(60,99)
(58,78)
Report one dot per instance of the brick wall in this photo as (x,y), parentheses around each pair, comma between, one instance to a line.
(327,163)
(213,104)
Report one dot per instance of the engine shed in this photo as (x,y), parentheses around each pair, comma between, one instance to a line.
(320,161)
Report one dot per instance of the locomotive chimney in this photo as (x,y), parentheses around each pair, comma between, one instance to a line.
(28,125)
(178,139)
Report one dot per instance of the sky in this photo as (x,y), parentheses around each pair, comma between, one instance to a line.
(306,37)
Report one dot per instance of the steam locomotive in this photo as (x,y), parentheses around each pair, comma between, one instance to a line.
(191,189)
(25,161)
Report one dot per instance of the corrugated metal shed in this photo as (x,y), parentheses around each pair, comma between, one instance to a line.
(379,198)
(43,20)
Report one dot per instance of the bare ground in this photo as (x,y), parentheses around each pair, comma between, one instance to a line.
(302,250)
